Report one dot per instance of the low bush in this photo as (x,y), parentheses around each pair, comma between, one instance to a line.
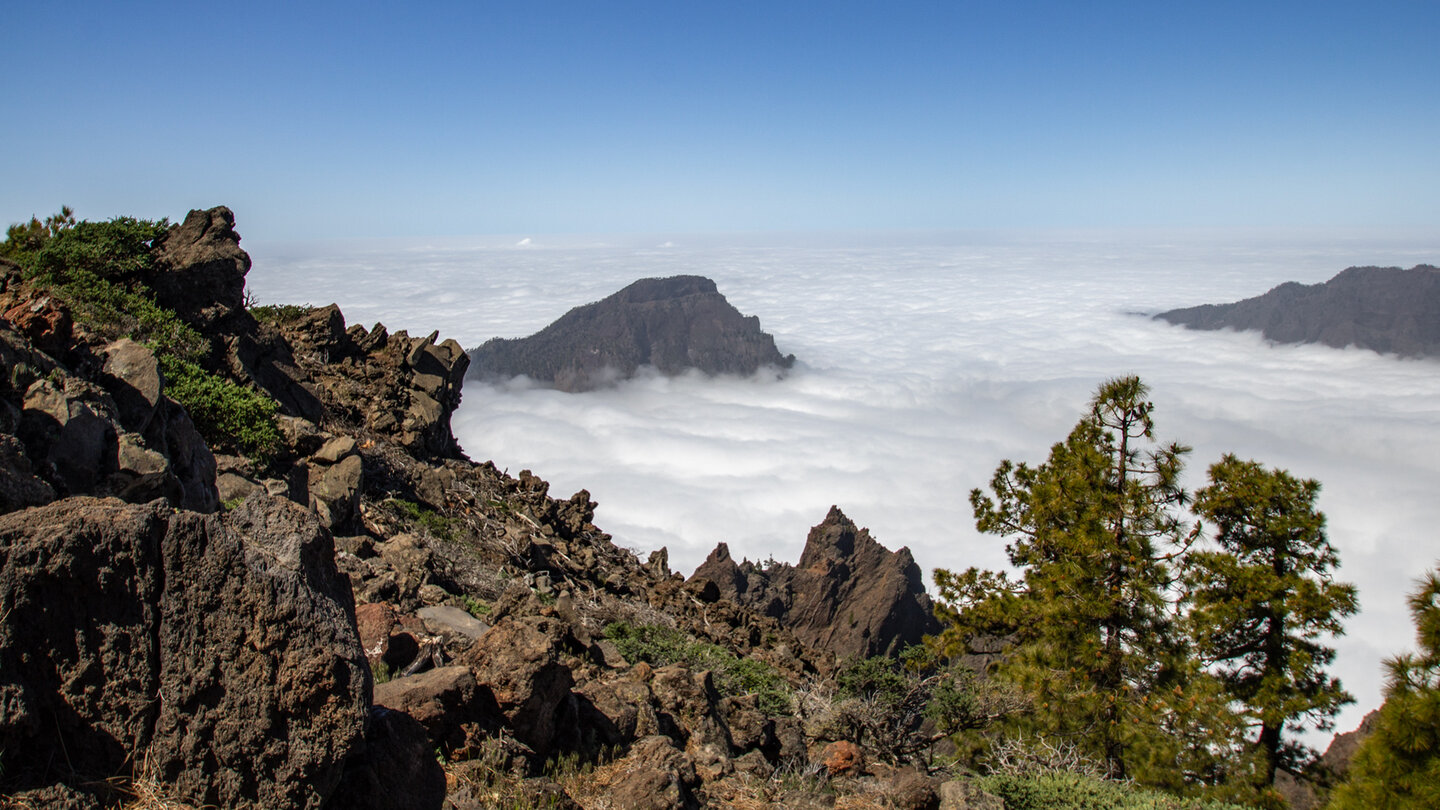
(1073,791)
(436,524)
(278,313)
(230,416)
(661,646)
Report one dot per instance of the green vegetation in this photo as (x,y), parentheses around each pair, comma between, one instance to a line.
(230,416)
(1073,791)
(662,646)
(1398,766)
(279,313)
(1261,599)
(431,521)
(900,707)
(1163,655)
(97,269)
(476,607)
(1086,528)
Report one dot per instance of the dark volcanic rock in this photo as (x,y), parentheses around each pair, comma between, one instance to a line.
(220,650)
(1385,309)
(848,597)
(396,771)
(200,272)
(673,324)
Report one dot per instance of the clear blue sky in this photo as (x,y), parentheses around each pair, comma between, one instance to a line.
(367,119)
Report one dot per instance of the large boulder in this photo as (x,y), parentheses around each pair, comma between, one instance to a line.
(220,650)
(396,770)
(200,268)
(520,660)
(82,585)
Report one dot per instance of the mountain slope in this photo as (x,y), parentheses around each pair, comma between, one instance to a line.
(1384,309)
(672,324)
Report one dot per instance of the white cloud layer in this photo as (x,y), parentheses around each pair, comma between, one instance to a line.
(923,363)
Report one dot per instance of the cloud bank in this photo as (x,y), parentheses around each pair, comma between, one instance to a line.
(923,362)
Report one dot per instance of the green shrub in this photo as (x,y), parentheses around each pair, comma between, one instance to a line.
(230,416)
(278,313)
(1071,791)
(662,646)
(117,250)
(433,522)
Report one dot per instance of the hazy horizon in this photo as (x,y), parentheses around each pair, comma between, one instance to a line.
(921,366)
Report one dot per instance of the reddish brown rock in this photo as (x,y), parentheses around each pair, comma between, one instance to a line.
(519,660)
(374,622)
(843,757)
(444,701)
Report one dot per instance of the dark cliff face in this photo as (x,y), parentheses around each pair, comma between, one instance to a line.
(848,596)
(1384,309)
(673,324)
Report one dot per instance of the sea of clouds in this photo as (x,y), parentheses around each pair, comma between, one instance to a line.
(924,359)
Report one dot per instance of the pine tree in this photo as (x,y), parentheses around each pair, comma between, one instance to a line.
(1093,632)
(1398,765)
(1262,599)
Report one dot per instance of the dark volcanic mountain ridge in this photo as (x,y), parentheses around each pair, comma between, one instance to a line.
(1384,309)
(673,324)
(848,595)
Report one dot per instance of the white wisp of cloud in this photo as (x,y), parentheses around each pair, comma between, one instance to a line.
(923,363)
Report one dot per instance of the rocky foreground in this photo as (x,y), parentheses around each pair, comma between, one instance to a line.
(361,617)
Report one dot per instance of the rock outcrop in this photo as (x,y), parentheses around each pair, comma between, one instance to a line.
(848,597)
(200,268)
(98,423)
(215,648)
(1384,309)
(671,324)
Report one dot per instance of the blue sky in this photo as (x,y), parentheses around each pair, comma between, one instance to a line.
(368,119)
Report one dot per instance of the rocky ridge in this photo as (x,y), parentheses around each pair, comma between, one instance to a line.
(848,595)
(671,324)
(1384,309)
(308,628)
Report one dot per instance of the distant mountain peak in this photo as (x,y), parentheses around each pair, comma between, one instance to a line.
(672,324)
(1384,309)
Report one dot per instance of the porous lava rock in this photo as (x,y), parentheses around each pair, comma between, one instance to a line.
(671,324)
(221,650)
(1384,309)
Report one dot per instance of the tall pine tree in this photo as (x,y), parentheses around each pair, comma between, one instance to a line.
(1088,531)
(1262,598)
(1398,765)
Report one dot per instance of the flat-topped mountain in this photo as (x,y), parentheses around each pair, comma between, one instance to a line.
(672,324)
(1384,309)
(848,596)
